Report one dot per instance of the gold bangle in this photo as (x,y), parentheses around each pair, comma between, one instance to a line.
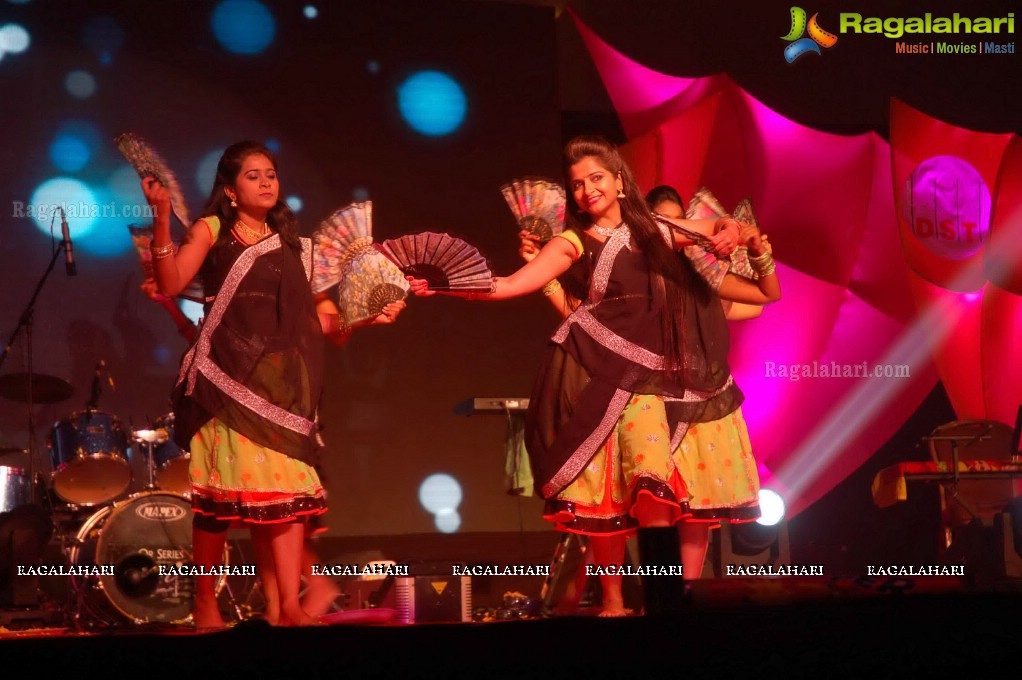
(162,251)
(552,287)
(163,255)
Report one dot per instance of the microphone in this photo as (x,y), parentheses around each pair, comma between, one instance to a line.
(69,255)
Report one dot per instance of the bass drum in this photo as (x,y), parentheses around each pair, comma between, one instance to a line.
(135,538)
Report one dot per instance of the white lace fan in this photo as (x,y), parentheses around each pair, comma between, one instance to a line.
(336,234)
(537,204)
(445,262)
(148,163)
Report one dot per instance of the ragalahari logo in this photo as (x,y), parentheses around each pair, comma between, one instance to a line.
(800,45)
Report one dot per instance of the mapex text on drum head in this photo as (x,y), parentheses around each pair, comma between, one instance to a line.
(160,512)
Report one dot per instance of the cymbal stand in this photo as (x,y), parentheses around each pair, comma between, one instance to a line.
(25,322)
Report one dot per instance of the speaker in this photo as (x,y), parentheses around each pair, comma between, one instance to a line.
(433,599)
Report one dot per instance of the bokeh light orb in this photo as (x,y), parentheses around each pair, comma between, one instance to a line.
(440,493)
(80,84)
(295,203)
(74,145)
(310,12)
(447,521)
(243,26)
(13,38)
(432,103)
(360,194)
(75,196)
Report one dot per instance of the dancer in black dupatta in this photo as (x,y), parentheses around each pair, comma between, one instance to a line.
(248,390)
(633,365)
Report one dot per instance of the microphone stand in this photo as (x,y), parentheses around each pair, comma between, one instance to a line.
(25,322)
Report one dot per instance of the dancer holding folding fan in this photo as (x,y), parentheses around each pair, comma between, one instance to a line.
(633,366)
(247,393)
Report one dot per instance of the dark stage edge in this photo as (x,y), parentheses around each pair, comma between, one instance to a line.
(896,635)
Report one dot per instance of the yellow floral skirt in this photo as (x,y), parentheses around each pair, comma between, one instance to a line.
(715,460)
(711,476)
(233,478)
(633,466)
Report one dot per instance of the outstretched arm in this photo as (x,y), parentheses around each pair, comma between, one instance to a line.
(552,261)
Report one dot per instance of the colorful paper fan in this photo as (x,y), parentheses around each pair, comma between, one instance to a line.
(369,283)
(705,206)
(537,204)
(148,163)
(335,236)
(740,258)
(142,237)
(446,262)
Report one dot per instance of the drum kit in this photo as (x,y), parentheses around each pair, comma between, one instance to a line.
(96,521)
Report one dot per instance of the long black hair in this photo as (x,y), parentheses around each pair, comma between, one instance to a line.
(280,217)
(668,278)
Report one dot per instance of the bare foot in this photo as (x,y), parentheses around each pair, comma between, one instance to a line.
(613,607)
(206,616)
(298,618)
(614,612)
(321,593)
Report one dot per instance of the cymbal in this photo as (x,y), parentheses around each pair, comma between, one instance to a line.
(46,389)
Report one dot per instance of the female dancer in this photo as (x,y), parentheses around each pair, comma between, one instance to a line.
(248,389)
(631,367)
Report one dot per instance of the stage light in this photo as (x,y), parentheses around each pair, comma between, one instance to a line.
(360,194)
(76,197)
(447,521)
(104,36)
(205,174)
(294,203)
(440,493)
(432,103)
(80,84)
(243,26)
(13,38)
(310,12)
(771,507)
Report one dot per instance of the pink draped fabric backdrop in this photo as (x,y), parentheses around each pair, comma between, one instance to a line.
(860,287)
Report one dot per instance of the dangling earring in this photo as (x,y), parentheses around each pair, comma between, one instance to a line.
(621,193)
(234,204)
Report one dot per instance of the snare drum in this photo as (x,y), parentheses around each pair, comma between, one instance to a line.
(89,454)
(136,537)
(15,488)
(171,460)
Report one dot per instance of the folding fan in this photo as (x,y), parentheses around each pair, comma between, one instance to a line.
(537,204)
(142,237)
(705,206)
(446,262)
(369,283)
(148,163)
(335,236)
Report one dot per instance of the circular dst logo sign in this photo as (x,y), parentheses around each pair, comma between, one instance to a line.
(947,206)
